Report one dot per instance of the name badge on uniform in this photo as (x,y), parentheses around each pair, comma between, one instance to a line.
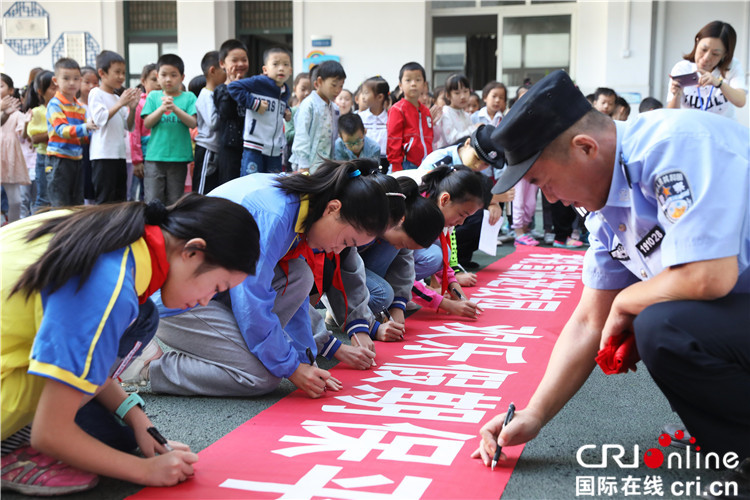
(651,241)
(673,192)
(619,253)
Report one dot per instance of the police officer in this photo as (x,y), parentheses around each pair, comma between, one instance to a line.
(669,260)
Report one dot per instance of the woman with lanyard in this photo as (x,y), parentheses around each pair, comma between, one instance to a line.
(76,310)
(458,192)
(245,342)
(709,78)
(378,277)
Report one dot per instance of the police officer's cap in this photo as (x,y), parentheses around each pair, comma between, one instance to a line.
(547,110)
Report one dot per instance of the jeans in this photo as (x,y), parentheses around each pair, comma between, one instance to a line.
(255,162)
(428,261)
(41,183)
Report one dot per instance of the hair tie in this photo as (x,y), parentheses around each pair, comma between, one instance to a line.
(453,169)
(354,173)
(402,195)
(156,213)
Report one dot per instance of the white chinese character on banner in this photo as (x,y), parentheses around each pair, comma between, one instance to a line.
(443,446)
(402,402)
(631,486)
(547,275)
(518,305)
(450,376)
(519,293)
(432,349)
(585,486)
(504,333)
(554,258)
(503,280)
(316,484)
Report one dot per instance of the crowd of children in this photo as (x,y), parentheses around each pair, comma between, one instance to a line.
(372,246)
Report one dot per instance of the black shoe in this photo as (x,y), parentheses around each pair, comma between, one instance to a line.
(740,476)
(469,265)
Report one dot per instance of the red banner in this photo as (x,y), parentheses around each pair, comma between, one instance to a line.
(406,428)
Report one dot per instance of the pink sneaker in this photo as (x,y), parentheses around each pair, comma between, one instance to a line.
(570,243)
(526,239)
(30,472)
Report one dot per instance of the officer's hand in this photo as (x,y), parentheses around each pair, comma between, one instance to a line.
(618,323)
(523,428)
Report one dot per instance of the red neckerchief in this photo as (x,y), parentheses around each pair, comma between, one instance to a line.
(445,244)
(157,249)
(316,261)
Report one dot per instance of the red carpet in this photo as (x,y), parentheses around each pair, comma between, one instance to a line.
(406,428)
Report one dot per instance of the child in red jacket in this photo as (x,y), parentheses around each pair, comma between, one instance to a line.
(409,122)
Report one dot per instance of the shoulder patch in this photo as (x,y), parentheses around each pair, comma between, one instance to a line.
(619,253)
(673,192)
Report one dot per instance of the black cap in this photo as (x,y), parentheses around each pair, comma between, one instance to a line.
(547,110)
(487,151)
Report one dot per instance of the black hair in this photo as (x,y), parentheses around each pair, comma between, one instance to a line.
(330,69)
(299,77)
(379,86)
(41,83)
(412,66)
(196,85)
(605,91)
(230,45)
(210,59)
(459,181)
(275,50)
(171,60)
(80,237)
(490,86)
(424,220)
(649,104)
(620,101)
(85,70)
(396,202)
(106,59)
(350,123)
(455,82)
(8,80)
(363,201)
(66,63)
(147,69)
(314,74)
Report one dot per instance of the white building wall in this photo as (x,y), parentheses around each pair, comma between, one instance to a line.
(370,37)
(102,19)
(201,27)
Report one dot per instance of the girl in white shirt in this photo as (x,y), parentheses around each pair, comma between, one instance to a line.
(455,122)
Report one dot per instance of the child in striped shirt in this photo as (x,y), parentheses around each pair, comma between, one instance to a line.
(66,128)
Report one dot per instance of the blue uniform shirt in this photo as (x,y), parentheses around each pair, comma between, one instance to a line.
(281,350)
(680,193)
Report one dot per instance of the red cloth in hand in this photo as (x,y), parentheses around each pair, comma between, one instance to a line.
(619,355)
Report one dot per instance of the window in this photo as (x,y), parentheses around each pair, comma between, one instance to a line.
(150,31)
(532,47)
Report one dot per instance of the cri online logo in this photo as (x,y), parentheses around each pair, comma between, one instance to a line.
(654,458)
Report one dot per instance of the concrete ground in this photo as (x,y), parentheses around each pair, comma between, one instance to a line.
(624,409)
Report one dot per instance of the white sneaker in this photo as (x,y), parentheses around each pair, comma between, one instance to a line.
(549,238)
(137,372)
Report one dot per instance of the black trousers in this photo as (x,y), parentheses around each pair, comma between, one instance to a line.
(110,178)
(205,160)
(229,163)
(467,236)
(562,220)
(698,352)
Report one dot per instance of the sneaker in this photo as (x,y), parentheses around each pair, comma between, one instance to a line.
(412,306)
(570,243)
(536,234)
(526,239)
(30,472)
(549,238)
(671,429)
(507,237)
(137,372)
(500,241)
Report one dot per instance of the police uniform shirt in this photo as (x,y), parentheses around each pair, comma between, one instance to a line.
(680,193)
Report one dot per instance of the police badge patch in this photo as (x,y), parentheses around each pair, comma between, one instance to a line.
(673,192)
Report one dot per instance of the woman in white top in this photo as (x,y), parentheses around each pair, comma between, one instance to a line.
(720,85)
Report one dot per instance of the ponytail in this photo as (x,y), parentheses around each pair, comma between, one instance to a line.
(80,237)
(363,200)
(459,181)
(424,220)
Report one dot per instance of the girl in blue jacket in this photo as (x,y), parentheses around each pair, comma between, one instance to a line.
(243,344)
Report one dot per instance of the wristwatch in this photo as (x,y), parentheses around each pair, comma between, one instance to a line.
(127,405)
(721,81)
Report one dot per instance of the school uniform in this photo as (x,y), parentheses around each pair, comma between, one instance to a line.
(680,193)
(244,342)
(49,336)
